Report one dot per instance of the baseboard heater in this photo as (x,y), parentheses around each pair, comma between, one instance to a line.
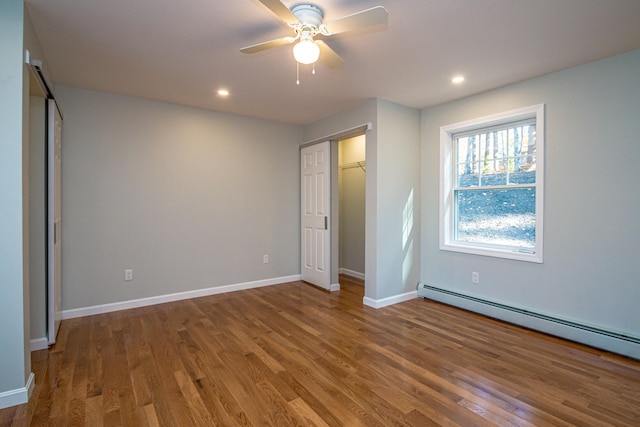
(596,337)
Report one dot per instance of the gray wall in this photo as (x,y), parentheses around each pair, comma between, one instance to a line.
(187,198)
(591,230)
(398,203)
(393,173)
(14,275)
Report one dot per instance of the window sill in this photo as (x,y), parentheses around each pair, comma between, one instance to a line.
(493,252)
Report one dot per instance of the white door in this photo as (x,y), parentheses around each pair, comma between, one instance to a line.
(315,198)
(54,230)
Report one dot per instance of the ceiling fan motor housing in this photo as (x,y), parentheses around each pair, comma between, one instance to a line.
(308,14)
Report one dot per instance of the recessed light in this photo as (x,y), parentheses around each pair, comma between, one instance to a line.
(457,80)
(223,92)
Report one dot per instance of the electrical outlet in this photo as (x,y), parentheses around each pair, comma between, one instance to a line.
(128,275)
(265,259)
(475,277)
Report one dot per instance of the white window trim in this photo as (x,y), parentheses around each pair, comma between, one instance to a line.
(447,179)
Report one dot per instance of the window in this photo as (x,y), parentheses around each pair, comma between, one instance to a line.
(491,185)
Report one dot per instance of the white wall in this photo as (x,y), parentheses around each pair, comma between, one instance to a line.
(187,198)
(591,230)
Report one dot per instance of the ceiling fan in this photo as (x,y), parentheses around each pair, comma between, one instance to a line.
(306,21)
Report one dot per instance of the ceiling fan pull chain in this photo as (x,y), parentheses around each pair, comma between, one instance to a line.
(313,70)
(297,73)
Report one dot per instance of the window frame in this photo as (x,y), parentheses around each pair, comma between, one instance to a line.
(448,165)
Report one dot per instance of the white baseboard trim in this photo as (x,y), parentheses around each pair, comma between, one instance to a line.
(379,303)
(352,273)
(19,395)
(39,344)
(160,299)
(334,287)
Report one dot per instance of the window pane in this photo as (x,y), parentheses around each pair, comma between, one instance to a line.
(500,217)
(462,148)
(524,177)
(495,178)
(497,157)
(468,175)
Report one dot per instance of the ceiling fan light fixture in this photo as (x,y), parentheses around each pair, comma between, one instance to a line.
(307,21)
(306,51)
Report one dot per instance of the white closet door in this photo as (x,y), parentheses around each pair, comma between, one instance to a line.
(315,212)
(54,221)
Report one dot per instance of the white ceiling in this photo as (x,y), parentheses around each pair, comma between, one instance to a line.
(182,51)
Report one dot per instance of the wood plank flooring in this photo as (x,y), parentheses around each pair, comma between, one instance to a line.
(292,354)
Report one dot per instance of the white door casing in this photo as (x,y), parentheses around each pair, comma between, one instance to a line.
(315,214)
(54,221)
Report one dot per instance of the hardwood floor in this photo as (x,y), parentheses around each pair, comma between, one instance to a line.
(292,354)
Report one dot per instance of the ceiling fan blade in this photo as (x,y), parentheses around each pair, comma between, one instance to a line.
(367,18)
(280,10)
(267,45)
(329,56)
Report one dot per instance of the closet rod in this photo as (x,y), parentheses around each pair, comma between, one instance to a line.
(360,165)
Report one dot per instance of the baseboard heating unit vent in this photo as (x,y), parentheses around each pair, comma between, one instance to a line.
(601,338)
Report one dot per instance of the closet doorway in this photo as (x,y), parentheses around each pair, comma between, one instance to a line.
(352,168)
(45,204)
